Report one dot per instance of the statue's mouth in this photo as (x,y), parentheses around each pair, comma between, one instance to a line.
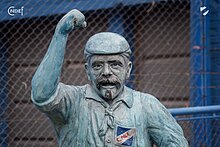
(108,85)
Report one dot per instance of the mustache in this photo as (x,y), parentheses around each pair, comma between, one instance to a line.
(108,81)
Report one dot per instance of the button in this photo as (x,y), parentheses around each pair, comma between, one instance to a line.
(108,140)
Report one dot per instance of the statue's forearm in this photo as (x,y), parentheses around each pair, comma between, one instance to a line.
(46,78)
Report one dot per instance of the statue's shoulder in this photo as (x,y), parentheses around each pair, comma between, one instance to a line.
(140,94)
(143,97)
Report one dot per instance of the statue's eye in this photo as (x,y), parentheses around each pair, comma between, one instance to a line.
(97,66)
(115,65)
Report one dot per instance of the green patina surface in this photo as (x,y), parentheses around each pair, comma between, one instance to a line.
(106,112)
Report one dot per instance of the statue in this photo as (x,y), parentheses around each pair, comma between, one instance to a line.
(105,112)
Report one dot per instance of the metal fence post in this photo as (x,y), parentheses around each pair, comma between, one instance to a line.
(199,67)
(207,83)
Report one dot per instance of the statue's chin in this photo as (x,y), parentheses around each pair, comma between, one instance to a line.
(108,93)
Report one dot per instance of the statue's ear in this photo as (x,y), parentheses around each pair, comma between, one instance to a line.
(129,69)
(87,71)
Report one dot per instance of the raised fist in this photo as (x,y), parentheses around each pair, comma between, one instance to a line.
(72,20)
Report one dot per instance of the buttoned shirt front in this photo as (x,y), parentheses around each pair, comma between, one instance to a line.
(82,119)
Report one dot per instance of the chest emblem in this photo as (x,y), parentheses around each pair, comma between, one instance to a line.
(125,136)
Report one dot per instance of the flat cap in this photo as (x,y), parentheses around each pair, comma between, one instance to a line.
(106,43)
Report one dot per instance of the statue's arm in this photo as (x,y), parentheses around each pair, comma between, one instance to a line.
(46,78)
(163,128)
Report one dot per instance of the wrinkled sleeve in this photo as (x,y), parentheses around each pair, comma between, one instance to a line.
(162,127)
(59,105)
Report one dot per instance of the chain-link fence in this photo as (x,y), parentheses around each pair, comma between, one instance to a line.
(158,32)
(198,138)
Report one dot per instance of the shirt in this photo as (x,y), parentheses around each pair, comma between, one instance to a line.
(81,118)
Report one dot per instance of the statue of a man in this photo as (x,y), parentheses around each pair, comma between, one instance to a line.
(105,112)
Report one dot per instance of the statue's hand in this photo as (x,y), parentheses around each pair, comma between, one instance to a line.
(72,20)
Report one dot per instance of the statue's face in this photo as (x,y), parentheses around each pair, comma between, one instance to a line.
(108,74)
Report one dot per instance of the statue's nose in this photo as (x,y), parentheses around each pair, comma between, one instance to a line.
(106,71)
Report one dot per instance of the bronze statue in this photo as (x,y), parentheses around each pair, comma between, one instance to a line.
(105,112)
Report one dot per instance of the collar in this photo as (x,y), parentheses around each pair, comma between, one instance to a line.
(126,96)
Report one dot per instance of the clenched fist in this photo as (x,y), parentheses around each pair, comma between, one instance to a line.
(72,20)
